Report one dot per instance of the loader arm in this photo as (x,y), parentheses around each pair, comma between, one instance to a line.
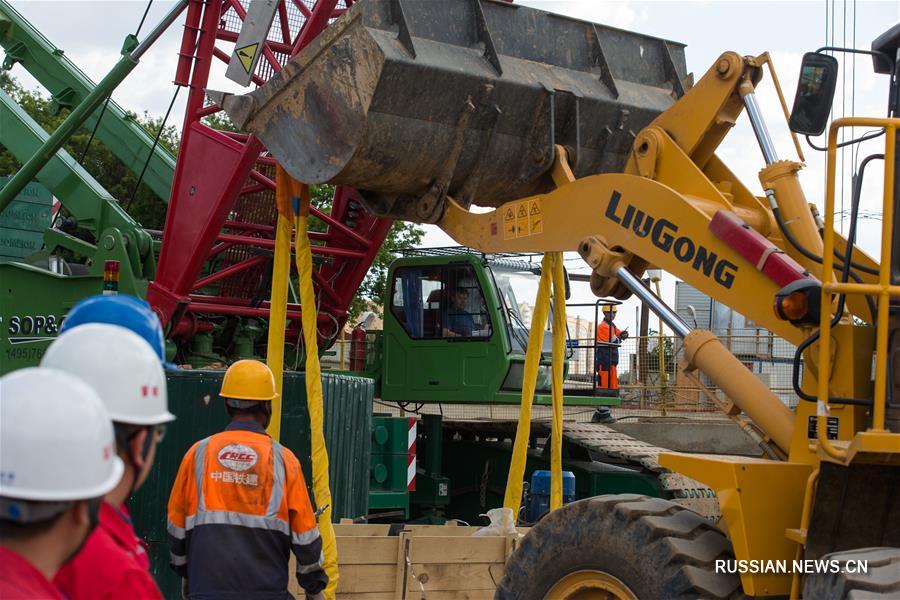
(678,207)
(660,210)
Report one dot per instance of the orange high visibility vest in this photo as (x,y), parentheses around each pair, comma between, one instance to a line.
(238,507)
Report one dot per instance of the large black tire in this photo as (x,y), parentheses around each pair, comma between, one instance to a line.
(882,580)
(656,548)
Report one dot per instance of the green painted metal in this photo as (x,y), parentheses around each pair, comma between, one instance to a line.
(431,491)
(22,225)
(390,435)
(81,194)
(470,371)
(388,472)
(194,400)
(55,141)
(86,199)
(69,86)
(432,488)
(431,431)
(33,302)
(17,243)
(388,464)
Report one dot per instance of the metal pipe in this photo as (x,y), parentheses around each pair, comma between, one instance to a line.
(157,31)
(85,108)
(668,316)
(705,352)
(760,129)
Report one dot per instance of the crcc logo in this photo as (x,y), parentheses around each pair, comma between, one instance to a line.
(237,457)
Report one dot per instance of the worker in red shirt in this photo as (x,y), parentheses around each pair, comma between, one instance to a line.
(57,460)
(239,505)
(128,376)
(609,337)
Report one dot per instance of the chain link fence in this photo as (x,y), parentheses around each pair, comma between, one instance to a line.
(650,380)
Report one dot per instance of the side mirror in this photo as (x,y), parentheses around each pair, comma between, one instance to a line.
(815,93)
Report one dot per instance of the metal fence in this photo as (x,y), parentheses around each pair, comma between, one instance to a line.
(650,380)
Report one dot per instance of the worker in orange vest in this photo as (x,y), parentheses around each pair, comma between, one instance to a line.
(607,352)
(239,504)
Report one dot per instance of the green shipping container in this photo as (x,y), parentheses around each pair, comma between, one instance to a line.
(193,398)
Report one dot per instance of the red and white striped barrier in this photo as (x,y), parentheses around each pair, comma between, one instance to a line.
(411,456)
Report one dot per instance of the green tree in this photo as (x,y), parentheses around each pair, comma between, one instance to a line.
(653,356)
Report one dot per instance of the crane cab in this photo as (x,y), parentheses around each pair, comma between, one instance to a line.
(456,329)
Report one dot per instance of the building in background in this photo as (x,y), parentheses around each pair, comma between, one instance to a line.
(767,355)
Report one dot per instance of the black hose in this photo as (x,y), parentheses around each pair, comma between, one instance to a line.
(845,275)
(782,226)
(815,257)
(865,137)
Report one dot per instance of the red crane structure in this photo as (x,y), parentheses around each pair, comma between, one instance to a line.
(220,225)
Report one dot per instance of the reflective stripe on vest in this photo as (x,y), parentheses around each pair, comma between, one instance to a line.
(278,476)
(199,472)
(221,517)
(307,537)
(303,569)
(270,521)
(174,530)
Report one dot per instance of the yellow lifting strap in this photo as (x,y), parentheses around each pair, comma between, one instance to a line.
(558,357)
(291,195)
(285,188)
(551,276)
(308,315)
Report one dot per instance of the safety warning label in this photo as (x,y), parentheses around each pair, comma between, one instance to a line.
(246,55)
(522,219)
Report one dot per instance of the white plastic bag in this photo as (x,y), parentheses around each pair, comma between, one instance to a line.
(502,523)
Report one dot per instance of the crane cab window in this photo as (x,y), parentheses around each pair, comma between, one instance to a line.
(440,302)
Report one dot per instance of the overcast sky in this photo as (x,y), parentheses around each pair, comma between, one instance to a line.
(91,33)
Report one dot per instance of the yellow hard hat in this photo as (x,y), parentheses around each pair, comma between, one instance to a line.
(610,308)
(249,380)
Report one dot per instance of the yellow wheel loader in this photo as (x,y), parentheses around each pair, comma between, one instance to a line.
(433,107)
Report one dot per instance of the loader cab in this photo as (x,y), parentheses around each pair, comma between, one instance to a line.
(456,330)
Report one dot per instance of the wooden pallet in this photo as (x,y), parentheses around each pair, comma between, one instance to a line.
(433,562)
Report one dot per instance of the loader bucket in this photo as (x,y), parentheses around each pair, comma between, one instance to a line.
(413,100)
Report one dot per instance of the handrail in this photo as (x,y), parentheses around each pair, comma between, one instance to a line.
(883,289)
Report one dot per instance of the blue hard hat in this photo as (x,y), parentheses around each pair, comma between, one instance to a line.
(122,310)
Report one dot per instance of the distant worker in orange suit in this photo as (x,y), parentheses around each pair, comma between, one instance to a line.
(607,354)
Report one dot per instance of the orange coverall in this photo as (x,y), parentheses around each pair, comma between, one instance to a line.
(238,507)
(608,356)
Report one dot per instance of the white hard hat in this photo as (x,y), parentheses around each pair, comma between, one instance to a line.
(56,439)
(120,365)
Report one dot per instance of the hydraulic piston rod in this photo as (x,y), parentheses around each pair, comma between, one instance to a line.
(659,308)
(759,128)
(704,350)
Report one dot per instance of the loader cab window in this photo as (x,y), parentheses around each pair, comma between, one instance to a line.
(440,302)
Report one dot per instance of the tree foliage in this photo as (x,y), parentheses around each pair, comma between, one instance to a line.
(148,210)
(372,292)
